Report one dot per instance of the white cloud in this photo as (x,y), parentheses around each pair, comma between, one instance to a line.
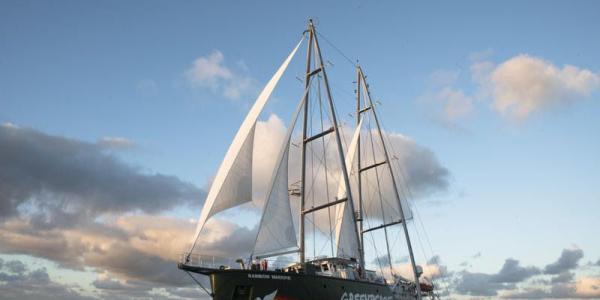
(525,84)
(208,70)
(10,125)
(422,173)
(456,104)
(444,101)
(211,72)
(517,88)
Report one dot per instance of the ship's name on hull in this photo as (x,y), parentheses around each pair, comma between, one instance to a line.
(359,296)
(268,276)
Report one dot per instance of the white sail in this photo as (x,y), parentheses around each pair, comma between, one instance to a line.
(276,232)
(345,228)
(232,185)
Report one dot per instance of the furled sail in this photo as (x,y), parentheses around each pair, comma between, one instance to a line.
(232,185)
(276,233)
(345,229)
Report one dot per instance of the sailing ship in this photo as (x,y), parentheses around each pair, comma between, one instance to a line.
(351,197)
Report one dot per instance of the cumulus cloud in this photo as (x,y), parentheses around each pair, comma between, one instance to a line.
(481,284)
(76,204)
(444,101)
(65,200)
(526,84)
(583,288)
(478,284)
(22,283)
(563,277)
(433,269)
(455,103)
(567,261)
(512,272)
(416,167)
(517,88)
(139,247)
(62,181)
(516,282)
(211,72)
(382,260)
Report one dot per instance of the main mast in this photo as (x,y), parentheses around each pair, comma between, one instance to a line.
(320,68)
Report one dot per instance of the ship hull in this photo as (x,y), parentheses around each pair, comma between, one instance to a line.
(269,285)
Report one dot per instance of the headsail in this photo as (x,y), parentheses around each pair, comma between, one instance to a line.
(345,232)
(232,185)
(276,233)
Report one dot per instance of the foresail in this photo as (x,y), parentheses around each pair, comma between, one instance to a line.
(276,233)
(232,185)
(345,229)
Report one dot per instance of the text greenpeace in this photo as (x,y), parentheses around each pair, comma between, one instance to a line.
(359,296)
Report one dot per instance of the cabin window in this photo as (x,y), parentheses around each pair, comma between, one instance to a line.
(324,267)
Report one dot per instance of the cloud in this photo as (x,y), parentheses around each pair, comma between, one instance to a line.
(563,277)
(210,72)
(422,171)
(76,204)
(416,167)
(15,266)
(567,261)
(524,84)
(444,101)
(433,269)
(382,260)
(512,272)
(517,88)
(22,283)
(478,284)
(116,142)
(583,288)
(61,181)
(456,104)
(481,284)
(516,282)
(64,200)
(143,248)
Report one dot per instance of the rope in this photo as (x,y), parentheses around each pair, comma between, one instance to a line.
(199,284)
(336,48)
(325,163)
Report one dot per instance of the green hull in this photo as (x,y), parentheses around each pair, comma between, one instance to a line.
(268,285)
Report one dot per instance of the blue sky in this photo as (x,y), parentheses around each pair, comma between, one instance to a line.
(521,186)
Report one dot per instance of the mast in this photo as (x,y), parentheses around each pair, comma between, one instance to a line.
(304,143)
(387,160)
(360,198)
(320,68)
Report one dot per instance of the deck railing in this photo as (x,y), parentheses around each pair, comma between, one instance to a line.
(212,261)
